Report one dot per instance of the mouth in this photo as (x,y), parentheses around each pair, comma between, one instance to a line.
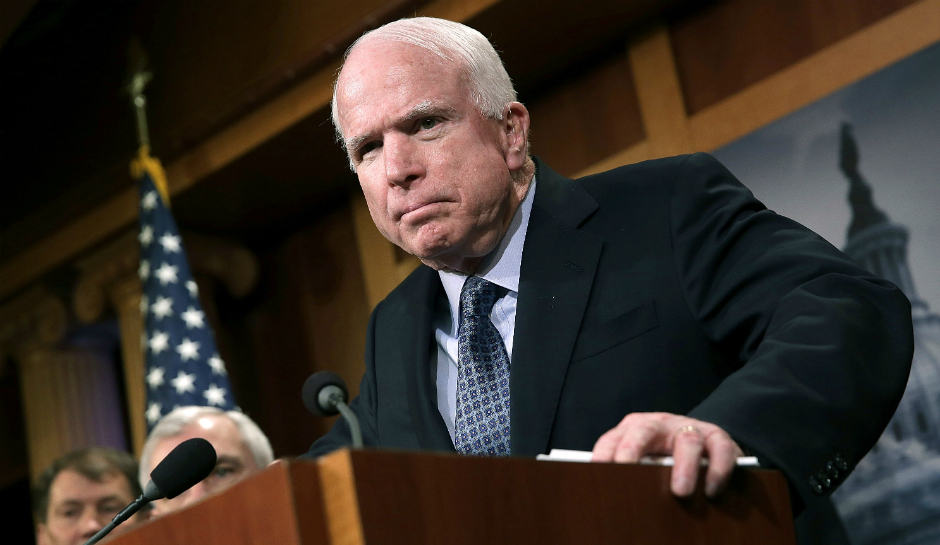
(415,211)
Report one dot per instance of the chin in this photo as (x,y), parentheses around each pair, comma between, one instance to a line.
(427,249)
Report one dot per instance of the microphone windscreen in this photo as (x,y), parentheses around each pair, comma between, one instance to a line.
(190,462)
(315,384)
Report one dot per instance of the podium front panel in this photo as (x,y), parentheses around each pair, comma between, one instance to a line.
(404,497)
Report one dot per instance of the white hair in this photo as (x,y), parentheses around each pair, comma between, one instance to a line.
(489,84)
(173,423)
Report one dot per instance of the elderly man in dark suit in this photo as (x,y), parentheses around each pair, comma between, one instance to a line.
(658,308)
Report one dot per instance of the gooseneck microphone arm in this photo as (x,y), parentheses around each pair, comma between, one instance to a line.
(353,422)
(350,417)
(125,514)
(325,394)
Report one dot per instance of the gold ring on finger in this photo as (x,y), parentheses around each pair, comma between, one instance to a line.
(692,429)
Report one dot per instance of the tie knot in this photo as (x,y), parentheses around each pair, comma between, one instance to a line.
(478,297)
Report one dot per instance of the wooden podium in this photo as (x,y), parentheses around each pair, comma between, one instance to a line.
(390,497)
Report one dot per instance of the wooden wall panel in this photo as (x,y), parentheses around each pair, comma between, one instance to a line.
(878,46)
(312,317)
(218,58)
(587,118)
(734,44)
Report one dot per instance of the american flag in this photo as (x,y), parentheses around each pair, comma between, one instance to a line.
(183,366)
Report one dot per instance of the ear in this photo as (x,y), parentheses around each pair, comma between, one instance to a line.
(515,126)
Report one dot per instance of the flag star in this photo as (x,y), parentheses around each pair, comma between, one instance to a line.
(144,270)
(215,395)
(162,307)
(167,274)
(144,305)
(146,236)
(188,350)
(217,365)
(170,243)
(149,202)
(159,342)
(155,377)
(154,412)
(193,288)
(184,383)
(193,318)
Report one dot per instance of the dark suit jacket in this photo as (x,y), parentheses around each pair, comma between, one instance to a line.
(665,286)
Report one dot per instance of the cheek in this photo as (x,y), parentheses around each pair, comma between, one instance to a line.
(376,194)
(382,222)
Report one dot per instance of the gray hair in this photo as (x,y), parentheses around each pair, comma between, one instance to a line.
(173,423)
(489,84)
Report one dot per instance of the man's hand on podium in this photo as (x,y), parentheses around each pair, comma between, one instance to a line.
(686,439)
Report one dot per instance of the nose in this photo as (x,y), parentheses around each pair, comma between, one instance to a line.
(92,521)
(402,163)
(195,493)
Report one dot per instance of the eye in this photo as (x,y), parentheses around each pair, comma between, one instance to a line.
(368,147)
(70,513)
(110,508)
(223,471)
(428,123)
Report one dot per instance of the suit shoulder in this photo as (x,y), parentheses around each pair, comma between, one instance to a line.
(653,170)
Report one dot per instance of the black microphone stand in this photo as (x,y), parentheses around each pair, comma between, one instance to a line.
(127,513)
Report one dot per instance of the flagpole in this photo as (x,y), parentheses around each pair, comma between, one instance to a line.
(138,83)
(136,364)
(135,88)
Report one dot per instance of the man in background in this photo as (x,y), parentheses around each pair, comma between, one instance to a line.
(81,492)
(242,449)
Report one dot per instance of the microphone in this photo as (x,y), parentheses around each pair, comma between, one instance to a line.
(190,462)
(325,394)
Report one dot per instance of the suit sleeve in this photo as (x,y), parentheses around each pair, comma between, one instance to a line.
(824,347)
(363,405)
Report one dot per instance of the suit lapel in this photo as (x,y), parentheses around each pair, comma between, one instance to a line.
(558,266)
(416,348)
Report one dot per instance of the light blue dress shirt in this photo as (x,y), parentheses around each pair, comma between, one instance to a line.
(500,267)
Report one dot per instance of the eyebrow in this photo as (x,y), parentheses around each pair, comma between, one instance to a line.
(74,502)
(233,460)
(422,109)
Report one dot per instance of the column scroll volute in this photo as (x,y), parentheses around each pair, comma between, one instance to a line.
(231,263)
(35,319)
(100,272)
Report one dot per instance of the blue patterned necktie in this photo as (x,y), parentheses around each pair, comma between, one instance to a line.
(482,423)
